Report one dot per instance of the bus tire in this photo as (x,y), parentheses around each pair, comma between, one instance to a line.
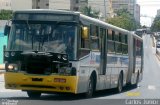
(33,94)
(120,83)
(90,88)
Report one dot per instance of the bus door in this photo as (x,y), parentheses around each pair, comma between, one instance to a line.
(134,55)
(103,51)
(103,61)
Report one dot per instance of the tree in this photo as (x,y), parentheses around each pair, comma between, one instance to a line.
(5,14)
(124,19)
(156,24)
(87,10)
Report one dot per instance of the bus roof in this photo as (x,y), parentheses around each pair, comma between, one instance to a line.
(81,15)
(110,26)
(46,11)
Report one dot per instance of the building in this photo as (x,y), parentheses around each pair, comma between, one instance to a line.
(158,12)
(77,5)
(5,4)
(104,7)
(40,4)
(21,4)
(3,40)
(137,13)
(130,5)
(59,4)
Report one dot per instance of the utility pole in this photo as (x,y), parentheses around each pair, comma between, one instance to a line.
(105,9)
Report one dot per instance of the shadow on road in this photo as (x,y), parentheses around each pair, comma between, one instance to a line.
(69,97)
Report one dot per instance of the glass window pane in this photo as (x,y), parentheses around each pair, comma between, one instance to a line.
(111,47)
(94,44)
(118,47)
(109,34)
(125,49)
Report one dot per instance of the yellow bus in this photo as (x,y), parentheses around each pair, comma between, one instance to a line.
(67,52)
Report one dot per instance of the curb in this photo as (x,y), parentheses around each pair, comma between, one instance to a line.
(2,69)
(2,72)
(158,57)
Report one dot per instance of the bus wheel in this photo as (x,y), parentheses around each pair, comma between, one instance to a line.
(33,94)
(120,83)
(90,90)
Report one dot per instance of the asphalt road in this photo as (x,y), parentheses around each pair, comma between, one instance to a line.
(148,91)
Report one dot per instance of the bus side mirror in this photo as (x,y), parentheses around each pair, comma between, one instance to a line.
(85,33)
(7,30)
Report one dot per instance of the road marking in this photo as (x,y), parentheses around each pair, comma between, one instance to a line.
(133,94)
(151,87)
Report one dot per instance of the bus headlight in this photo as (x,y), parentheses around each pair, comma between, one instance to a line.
(67,71)
(6,54)
(59,56)
(64,57)
(13,53)
(12,67)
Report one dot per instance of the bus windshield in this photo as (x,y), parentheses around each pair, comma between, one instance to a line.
(56,37)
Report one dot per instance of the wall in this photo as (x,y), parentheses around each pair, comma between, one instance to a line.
(21,4)
(3,41)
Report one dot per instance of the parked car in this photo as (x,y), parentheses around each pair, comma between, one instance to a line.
(157,34)
(158,44)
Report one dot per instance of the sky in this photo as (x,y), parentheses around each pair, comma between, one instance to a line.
(148,8)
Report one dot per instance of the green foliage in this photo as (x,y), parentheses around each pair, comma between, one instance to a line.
(5,14)
(90,12)
(124,20)
(156,24)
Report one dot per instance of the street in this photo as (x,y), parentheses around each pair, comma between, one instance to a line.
(148,89)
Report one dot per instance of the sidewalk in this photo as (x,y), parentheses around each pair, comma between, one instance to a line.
(1,78)
(2,66)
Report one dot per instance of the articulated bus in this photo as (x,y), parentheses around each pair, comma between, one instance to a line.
(57,51)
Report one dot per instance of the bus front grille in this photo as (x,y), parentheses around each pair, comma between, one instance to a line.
(38,86)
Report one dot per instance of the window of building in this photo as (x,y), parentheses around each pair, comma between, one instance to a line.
(47,4)
(77,1)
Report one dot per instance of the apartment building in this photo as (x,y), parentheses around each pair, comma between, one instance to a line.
(158,12)
(137,13)
(5,4)
(130,5)
(21,4)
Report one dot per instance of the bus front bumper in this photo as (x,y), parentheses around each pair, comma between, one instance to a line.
(44,83)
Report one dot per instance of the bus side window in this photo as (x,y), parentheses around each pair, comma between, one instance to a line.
(84,42)
(94,34)
(118,45)
(84,45)
(109,35)
(124,44)
(110,42)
